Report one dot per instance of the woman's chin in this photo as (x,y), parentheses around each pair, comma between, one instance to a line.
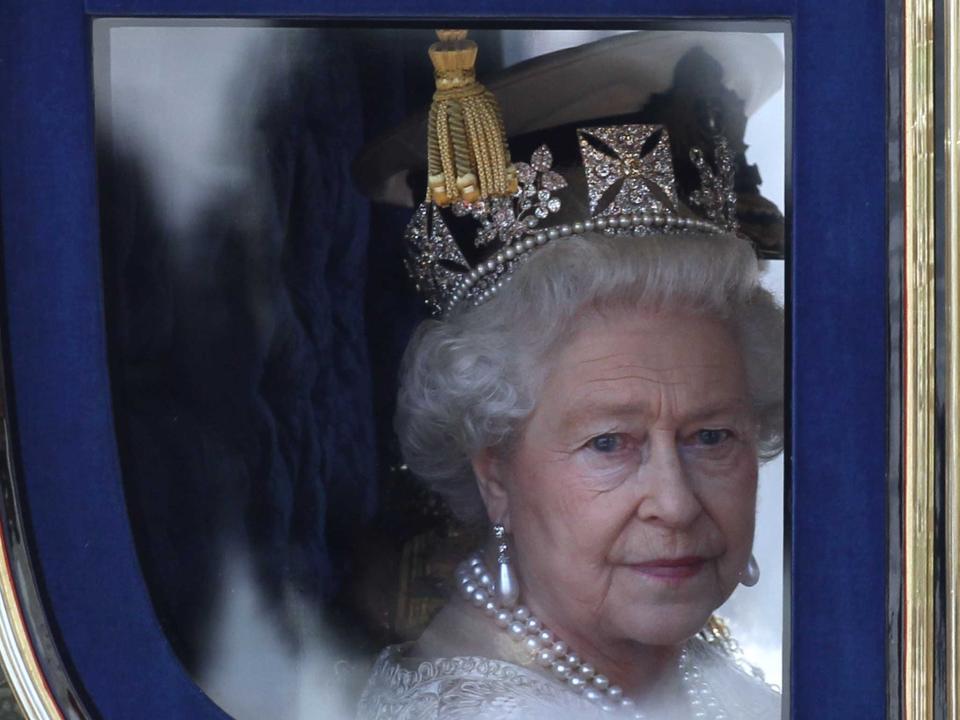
(666,625)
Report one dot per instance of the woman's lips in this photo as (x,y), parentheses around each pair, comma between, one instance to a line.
(670,568)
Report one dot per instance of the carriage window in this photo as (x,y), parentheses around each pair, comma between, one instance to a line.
(257,184)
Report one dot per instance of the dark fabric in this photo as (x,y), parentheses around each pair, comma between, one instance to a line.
(239,353)
(254,357)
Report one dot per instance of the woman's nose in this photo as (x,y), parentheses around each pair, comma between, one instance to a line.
(667,496)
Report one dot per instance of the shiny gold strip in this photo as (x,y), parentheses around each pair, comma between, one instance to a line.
(16,649)
(919,362)
(952,396)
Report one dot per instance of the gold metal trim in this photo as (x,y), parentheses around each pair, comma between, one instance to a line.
(17,652)
(919,367)
(952,396)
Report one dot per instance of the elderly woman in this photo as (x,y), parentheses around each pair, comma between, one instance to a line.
(601,393)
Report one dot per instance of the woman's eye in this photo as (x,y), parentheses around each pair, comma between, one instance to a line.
(606,443)
(711,437)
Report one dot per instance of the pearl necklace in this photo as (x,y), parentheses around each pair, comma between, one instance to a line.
(550,652)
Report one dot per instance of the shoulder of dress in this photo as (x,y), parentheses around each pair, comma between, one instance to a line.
(452,687)
(394,668)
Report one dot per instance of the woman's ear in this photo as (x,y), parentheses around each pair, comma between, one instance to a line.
(488,469)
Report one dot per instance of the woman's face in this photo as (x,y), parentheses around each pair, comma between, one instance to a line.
(631,493)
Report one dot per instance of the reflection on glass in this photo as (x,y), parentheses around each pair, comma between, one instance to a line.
(258,309)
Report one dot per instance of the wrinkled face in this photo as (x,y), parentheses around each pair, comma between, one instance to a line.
(631,493)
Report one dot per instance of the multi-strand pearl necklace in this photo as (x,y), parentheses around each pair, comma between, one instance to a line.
(550,652)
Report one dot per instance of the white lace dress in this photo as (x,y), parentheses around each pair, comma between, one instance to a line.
(460,669)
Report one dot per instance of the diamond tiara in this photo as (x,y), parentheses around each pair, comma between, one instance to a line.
(631,190)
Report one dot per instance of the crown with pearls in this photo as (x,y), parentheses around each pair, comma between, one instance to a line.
(483,215)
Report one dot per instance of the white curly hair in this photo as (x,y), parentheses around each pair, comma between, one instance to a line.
(469,381)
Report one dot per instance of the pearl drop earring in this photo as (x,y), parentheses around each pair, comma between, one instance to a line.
(508,586)
(751,573)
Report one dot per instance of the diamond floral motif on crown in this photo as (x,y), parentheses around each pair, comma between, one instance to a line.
(629,168)
(505,220)
(717,197)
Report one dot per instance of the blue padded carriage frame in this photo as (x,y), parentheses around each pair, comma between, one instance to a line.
(57,364)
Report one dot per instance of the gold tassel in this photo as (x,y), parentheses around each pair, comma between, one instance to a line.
(467,154)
